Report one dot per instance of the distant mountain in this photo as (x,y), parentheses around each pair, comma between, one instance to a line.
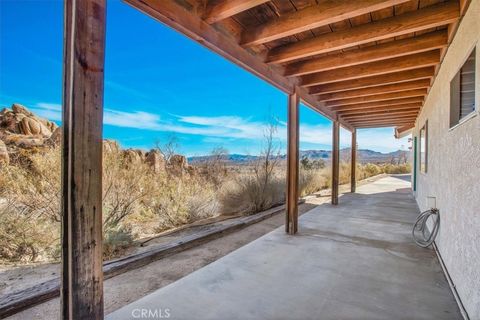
(233,158)
(363,155)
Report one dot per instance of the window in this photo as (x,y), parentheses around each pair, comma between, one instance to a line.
(424,148)
(462,91)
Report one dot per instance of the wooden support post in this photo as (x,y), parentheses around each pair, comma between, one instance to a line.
(353,169)
(84,47)
(291,224)
(335,160)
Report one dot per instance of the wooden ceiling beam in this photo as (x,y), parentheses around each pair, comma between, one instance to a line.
(381,116)
(386,123)
(381,112)
(367,82)
(414,61)
(393,49)
(385,103)
(222,9)
(322,14)
(396,87)
(383,125)
(397,108)
(386,119)
(378,97)
(403,130)
(426,18)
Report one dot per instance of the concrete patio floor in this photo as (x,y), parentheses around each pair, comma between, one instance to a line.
(351,261)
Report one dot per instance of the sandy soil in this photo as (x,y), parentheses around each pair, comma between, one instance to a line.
(132,285)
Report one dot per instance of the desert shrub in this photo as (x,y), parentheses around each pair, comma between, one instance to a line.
(180,200)
(25,237)
(344,173)
(396,169)
(116,241)
(310,164)
(250,193)
(368,170)
(313,180)
(29,209)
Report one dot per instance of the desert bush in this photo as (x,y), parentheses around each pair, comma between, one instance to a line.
(29,209)
(116,241)
(263,187)
(396,169)
(25,237)
(250,193)
(313,180)
(180,200)
(367,170)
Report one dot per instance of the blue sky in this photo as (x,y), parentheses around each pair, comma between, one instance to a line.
(158,84)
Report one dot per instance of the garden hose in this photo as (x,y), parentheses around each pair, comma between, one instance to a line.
(421,235)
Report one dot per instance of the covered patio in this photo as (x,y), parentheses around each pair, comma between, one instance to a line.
(361,64)
(353,261)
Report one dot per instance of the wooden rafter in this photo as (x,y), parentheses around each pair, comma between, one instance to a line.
(396,87)
(429,17)
(381,109)
(391,120)
(380,125)
(414,61)
(222,9)
(383,103)
(381,113)
(384,79)
(393,49)
(322,14)
(398,115)
(378,97)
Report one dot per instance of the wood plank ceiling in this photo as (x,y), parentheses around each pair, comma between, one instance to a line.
(367,63)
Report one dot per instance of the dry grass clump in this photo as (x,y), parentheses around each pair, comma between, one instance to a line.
(250,193)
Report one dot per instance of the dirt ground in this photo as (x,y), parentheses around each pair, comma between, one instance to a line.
(130,286)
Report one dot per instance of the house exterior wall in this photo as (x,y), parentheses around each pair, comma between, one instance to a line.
(453,174)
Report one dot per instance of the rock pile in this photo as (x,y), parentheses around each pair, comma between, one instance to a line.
(22,129)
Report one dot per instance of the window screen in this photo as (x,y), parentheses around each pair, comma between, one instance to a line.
(462,91)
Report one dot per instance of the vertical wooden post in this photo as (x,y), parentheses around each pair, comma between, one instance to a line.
(353,169)
(335,160)
(291,224)
(84,47)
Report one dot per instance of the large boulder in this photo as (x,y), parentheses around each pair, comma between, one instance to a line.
(155,160)
(56,137)
(132,156)
(178,164)
(19,120)
(8,121)
(30,126)
(20,109)
(4,157)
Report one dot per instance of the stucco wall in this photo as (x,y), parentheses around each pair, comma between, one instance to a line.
(453,176)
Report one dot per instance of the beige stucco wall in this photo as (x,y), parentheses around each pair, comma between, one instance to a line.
(453,176)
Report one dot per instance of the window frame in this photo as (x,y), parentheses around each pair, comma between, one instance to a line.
(455,94)
(423,163)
